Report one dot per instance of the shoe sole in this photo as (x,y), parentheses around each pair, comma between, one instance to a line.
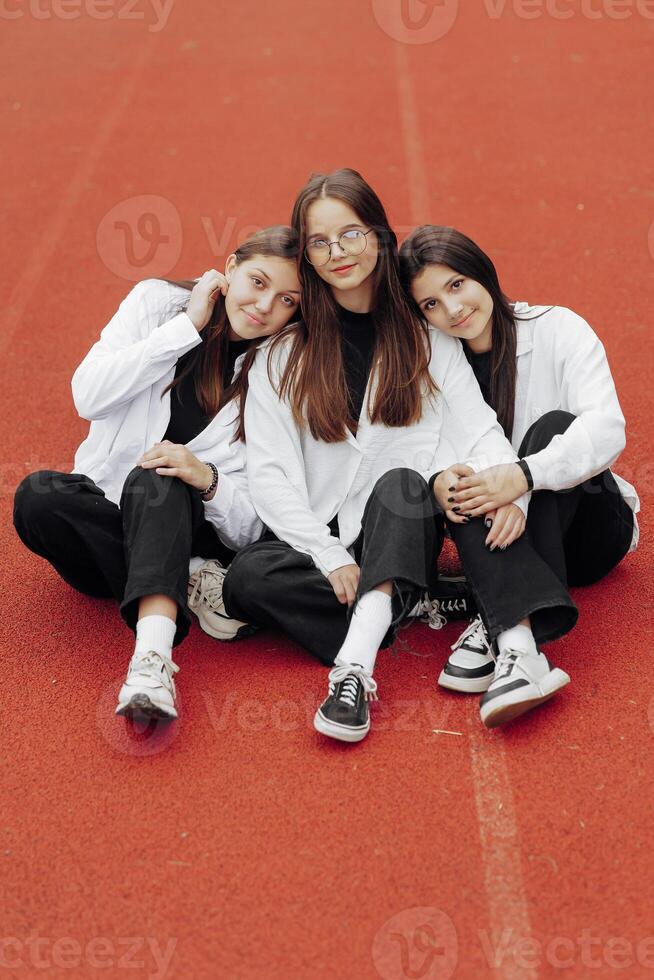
(227,635)
(140,706)
(504,709)
(472,685)
(342,733)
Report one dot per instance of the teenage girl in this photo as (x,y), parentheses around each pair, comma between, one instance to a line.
(359,420)
(545,373)
(161,475)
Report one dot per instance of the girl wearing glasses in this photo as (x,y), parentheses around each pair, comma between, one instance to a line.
(161,475)
(359,420)
(545,373)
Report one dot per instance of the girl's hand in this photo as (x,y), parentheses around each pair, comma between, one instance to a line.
(490,489)
(444,486)
(204,296)
(345,581)
(169,459)
(508,523)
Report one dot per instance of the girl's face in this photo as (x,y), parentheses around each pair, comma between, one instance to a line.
(327,220)
(262,296)
(455,304)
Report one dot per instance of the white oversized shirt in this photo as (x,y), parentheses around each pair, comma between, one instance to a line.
(118,388)
(298,483)
(561,364)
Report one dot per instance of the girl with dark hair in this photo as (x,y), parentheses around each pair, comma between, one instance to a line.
(545,373)
(161,475)
(358,421)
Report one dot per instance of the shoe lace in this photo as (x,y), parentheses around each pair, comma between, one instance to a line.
(154,662)
(506,660)
(208,587)
(473,638)
(351,676)
(429,611)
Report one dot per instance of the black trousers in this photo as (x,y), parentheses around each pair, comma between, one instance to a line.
(139,548)
(584,532)
(271,584)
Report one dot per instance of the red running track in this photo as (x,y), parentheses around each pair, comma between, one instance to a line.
(242,844)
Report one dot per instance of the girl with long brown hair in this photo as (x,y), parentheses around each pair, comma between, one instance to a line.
(161,476)
(358,420)
(545,372)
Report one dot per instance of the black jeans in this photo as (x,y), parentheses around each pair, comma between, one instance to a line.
(139,548)
(271,584)
(584,532)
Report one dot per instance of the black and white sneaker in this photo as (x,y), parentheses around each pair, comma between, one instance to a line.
(471,665)
(344,713)
(522,681)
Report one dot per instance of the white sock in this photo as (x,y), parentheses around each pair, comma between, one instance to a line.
(369,624)
(518,638)
(155,633)
(194,564)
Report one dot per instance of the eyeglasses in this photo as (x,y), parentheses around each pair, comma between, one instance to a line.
(351,242)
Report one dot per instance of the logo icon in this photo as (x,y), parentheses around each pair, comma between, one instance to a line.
(416,944)
(140,238)
(415,21)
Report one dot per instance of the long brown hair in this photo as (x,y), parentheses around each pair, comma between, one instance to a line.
(314,375)
(438,245)
(205,362)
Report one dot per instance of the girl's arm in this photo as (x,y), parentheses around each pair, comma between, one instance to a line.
(596,438)
(134,351)
(277,476)
(470,426)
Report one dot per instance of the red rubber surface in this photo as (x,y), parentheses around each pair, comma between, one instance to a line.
(242,842)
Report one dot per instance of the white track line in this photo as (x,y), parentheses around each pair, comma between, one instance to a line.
(498,830)
(37,263)
(500,846)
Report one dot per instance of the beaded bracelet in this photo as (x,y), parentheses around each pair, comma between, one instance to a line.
(214,483)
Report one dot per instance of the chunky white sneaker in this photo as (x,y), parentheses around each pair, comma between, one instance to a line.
(470,667)
(205,599)
(522,681)
(149,689)
(344,712)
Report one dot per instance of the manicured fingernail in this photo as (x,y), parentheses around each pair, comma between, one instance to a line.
(488,522)
(467,515)
(450,500)
(492,547)
(503,547)
(452,489)
(456,509)
(466,520)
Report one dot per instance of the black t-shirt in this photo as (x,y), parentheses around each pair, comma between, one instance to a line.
(187,417)
(357,345)
(481,366)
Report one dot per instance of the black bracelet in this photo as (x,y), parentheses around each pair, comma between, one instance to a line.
(524,466)
(214,483)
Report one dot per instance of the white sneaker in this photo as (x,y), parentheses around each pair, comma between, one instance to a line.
(428,611)
(470,667)
(522,681)
(149,689)
(205,599)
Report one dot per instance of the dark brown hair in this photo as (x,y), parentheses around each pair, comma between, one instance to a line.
(205,362)
(314,376)
(438,245)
